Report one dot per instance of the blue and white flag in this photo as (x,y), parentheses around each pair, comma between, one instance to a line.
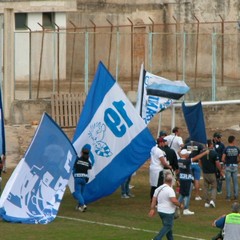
(2,129)
(194,119)
(155,94)
(119,139)
(35,189)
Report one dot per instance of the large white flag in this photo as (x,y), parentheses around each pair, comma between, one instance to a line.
(155,94)
(120,141)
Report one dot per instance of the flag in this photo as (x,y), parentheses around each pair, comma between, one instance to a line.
(2,129)
(194,119)
(35,189)
(120,140)
(155,94)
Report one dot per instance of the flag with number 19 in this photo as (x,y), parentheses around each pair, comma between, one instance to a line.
(120,140)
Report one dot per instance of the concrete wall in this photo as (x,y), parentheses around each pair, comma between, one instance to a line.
(26,112)
(212,16)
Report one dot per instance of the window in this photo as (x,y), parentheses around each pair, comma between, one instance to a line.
(48,20)
(20,21)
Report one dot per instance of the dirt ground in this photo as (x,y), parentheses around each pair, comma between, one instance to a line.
(19,137)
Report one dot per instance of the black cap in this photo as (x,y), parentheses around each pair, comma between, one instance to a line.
(217,135)
(162,133)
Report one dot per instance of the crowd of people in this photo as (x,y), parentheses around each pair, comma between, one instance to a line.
(177,163)
(174,161)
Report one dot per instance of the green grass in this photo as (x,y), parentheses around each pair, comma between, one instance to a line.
(131,213)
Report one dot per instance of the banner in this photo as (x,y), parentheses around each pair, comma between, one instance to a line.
(195,122)
(155,94)
(119,139)
(35,189)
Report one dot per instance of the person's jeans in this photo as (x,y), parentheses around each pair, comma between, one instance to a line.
(125,186)
(186,199)
(79,186)
(167,221)
(231,172)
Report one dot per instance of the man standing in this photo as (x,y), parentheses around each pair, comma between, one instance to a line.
(210,163)
(166,201)
(175,140)
(80,174)
(157,164)
(231,159)
(219,148)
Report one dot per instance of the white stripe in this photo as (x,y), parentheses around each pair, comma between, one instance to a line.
(124,227)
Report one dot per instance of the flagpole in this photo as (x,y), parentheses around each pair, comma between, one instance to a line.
(159,123)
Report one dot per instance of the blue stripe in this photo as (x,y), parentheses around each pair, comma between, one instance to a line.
(121,167)
(99,88)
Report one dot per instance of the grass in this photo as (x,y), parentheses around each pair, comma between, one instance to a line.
(131,213)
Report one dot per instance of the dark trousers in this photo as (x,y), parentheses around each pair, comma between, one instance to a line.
(160,182)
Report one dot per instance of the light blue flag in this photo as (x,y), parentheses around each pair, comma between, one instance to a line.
(35,189)
(119,138)
(194,118)
(155,94)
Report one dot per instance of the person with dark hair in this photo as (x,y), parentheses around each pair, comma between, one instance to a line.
(230,158)
(229,224)
(162,133)
(80,174)
(165,200)
(219,148)
(158,162)
(174,140)
(209,164)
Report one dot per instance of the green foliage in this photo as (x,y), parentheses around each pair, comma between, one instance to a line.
(114,218)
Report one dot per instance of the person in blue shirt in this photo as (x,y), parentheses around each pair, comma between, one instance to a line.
(229,224)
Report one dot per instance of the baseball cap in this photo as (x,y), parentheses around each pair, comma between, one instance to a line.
(217,135)
(86,148)
(184,152)
(161,139)
(162,133)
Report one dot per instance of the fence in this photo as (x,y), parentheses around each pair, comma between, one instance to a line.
(66,108)
(64,61)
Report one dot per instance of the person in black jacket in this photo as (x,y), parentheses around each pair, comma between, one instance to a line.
(80,174)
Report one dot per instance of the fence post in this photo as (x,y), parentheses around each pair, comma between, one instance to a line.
(86,62)
(117,54)
(184,57)
(150,37)
(214,65)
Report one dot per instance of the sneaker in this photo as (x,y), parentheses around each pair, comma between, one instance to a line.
(220,192)
(198,198)
(187,212)
(207,205)
(131,195)
(81,209)
(131,186)
(85,207)
(125,196)
(212,204)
